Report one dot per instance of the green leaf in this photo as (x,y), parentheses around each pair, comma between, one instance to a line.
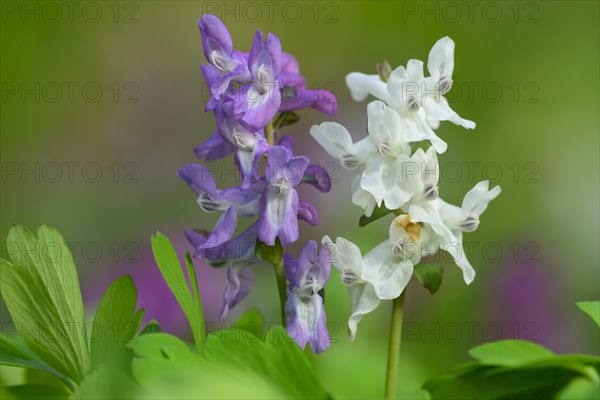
(417,395)
(591,308)
(164,366)
(171,270)
(191,271)
(378,213)
(286,118)
(581,389)
(151,327)
(136,321)
(510,353)
(502,384)
(111,380)
(429,275)
(36,392)
(41,291)
(236,364)
(514,369)
(278,358)
(251,321)
(16,353)
(114,322)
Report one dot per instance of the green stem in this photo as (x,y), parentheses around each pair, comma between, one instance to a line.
(280,277)
(391,379)
(270,133)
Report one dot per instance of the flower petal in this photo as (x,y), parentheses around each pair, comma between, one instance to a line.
(265,57)
(388,274)
(199,178)
(362,85)
(307,212)
(333,137)
(239,283)
(306,322)
(295,169)
(362,198)
(321,100)
(278,217)
(477,199)
(364,300)
(441,59)
(215,36)
(214,148)
(224,229)
(318,177)
(196,239)
(258,107)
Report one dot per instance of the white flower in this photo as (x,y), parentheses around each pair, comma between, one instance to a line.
(417,98)
(396,181)
(362,198)
(361,85)
(336,141)
(412,90)
(449,222)
(347,258)
(384,272)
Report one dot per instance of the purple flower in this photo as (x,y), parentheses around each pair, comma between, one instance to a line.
(208,243)
(240,281)
(307,212)
(279,200)
(294,92)
(306,320)
(250,143)
(237,254)
(225,63)
(202,182)
(318,177)
(314,175)
(214,148)
(296,97)
(259,101)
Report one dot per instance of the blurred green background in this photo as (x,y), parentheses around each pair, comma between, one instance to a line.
(102,102)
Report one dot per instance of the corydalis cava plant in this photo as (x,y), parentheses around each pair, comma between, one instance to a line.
(253,95)
(393,174)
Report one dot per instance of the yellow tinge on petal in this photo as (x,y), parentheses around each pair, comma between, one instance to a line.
(413,229)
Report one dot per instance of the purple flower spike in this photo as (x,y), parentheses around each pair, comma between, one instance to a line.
(250,144)
(260,100)
(318,177)
(279,201)
(239,283)
(210,199)
(306,319)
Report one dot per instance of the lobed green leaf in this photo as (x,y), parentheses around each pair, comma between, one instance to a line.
(115,322)
(171,270)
